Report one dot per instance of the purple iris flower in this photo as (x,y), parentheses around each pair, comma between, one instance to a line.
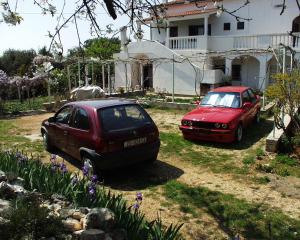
(63,168)
(136,206)
(139,196)
(53,157)
(85,170)
(94,178)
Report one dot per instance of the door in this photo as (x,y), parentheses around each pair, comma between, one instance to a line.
(255,104)
(80,134)
(247,110)
(59,128)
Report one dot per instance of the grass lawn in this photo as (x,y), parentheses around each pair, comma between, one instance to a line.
(184,181)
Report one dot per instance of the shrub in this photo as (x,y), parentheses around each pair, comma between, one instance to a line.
(285,159)
(249,159)
(27,220)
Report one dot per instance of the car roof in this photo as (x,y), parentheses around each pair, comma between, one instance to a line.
(231,89)
(101,103)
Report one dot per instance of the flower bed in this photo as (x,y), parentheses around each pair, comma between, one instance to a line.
(84,192)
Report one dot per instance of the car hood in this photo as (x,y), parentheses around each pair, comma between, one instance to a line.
(213,114)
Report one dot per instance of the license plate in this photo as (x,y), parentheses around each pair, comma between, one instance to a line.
(135,142)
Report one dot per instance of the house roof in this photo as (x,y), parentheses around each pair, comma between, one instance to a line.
(181,8)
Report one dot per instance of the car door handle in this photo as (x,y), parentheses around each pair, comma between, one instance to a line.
(65,132)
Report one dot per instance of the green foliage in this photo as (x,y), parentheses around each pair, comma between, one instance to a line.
(260,153)
(285,159)
(285,92)
(236,216)
(27,220)
(48,181)
(249,159)
(263,180)
(59,82)
(17,62)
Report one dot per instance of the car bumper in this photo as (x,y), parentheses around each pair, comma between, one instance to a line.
(213,135)
(126,157)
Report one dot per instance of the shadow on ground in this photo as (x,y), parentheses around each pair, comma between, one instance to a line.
(141,176)
(135,177)
(252,135)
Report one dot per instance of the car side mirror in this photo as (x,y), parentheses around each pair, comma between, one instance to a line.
(247,105)
(51,119)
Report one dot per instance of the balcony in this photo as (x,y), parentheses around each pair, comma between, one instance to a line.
(226,43)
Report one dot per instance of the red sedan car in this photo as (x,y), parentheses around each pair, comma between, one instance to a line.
(222,115)
(103,134)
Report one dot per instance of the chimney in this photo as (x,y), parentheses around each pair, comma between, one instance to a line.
(124,40)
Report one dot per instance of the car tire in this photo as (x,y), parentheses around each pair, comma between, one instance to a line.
(239,133)
(257,117)
(46,141)
(87,161)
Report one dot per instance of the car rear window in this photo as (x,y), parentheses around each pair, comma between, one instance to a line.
(123,117)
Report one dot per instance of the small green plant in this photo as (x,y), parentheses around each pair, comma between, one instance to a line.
(285,159)
(263,180)
(249,160)
(283,171)
(27,220)
(260,153)
(265,168)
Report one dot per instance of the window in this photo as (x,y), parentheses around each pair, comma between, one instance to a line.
(123,117)
(81,120)
(236,72)
(226,26)
(245,97)
(252,95)
(63,116)
(195,30)
(221,99)
(240,25)
(174,31)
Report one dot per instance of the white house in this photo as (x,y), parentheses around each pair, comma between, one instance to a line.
(195,47)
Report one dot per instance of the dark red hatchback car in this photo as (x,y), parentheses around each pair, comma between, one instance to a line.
(104,134)
(222,115)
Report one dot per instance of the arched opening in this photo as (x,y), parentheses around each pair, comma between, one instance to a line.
(296,31)
(245,71)
(141,72)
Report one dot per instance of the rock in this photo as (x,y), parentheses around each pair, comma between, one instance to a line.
(108,237)
(19,181)
(84,210)
(72,225)
(19,190)
(66,212)
(4,205)
(2,176)
(7,191)
(57,197)
(78,215)
(119,234)
(100,218)
(92,234)
(11,176)
(83,223)
(3,221)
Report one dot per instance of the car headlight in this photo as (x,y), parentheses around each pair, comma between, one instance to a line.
(217,125)
(186,123)
(224,125)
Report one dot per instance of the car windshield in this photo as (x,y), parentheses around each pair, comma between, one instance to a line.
(123,117)
(221,99)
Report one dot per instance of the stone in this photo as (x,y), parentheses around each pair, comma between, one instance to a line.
(3,221)
(92,234)
(19,181)
(57,197)
(7,191)
(78,215)
(71,224)
(119,234)
(4,205)
(2,176)
(84,210)
(19,190)
(100,218)
(108,237)
(11,176)
(66,212)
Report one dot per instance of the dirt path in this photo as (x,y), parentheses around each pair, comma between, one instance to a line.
(280,193)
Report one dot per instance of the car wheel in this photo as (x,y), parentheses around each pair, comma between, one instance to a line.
(257,117)
(88,164)
(46,141)
(239,133)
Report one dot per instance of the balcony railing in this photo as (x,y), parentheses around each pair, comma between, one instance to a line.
(191,42)
(223,43)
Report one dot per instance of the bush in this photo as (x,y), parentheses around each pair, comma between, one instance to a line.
(27,220)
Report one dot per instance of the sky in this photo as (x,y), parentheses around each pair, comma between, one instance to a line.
(33,30)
